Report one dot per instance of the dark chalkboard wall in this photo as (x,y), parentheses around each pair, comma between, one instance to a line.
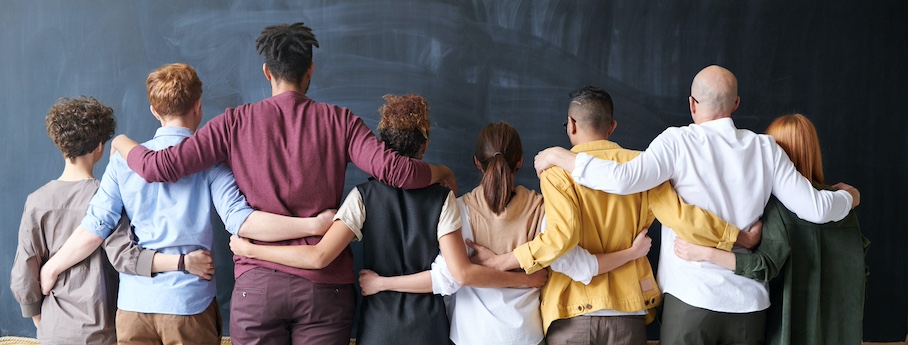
(840,63)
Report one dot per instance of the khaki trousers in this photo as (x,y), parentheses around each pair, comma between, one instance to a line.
(167,329)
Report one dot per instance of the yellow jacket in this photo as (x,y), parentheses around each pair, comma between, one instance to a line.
(605,223)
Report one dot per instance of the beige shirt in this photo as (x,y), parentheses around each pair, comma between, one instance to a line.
(517,224)
(81,308)
(353,213)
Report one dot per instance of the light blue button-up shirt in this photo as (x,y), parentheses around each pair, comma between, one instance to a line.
(172,218)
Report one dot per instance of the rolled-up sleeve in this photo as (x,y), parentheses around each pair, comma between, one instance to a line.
(124,254)
(578,264)
(352,213)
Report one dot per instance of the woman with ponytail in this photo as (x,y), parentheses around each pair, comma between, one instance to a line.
(500,216)
(402,232)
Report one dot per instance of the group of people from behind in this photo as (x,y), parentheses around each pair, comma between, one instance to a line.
(565,266)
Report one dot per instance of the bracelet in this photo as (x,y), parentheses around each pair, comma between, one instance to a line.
(181,265)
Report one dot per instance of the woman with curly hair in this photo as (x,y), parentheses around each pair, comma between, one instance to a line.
(816,272)
(500,216)
(401,235)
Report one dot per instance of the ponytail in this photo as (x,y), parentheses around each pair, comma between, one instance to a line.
(498,151)
(497,183)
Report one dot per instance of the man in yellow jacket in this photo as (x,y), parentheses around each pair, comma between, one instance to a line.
(613,306)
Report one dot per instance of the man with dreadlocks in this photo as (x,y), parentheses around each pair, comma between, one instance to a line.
(289,154)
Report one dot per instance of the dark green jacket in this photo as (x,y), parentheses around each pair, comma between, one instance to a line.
(816,274)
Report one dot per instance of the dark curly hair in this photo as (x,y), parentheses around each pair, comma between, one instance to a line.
(404,123)
(77,126)
(287,49)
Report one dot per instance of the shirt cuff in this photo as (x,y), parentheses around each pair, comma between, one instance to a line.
(357,232)
(578,264)
(143,265)
(850,203)
(96,227)
(443,282)
(31,309)
(729,237)
(525,258)
(240,218)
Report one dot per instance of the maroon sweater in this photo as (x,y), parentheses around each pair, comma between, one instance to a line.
(289,154)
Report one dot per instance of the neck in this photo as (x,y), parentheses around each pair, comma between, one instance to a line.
(588,138)
(712,117)
(178,121)
(279,87)
(78,169)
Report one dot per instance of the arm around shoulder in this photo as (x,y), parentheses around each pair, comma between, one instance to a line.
(202,150)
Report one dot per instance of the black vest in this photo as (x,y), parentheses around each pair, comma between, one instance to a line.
(400,237)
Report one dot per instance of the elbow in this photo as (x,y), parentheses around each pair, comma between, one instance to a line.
(462,276)
(319,261)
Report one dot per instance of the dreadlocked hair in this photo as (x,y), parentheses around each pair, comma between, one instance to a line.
(404,123)
(498,151)
(287,49)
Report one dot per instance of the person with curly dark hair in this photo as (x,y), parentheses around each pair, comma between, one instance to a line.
(82,309)
(401,235)
(289,154)
(174,219)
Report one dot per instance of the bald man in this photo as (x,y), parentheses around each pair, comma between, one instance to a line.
(729,171)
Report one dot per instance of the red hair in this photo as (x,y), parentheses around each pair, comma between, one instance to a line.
(173,89)
(798,137)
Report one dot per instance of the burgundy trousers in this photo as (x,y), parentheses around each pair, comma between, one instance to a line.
(272,307)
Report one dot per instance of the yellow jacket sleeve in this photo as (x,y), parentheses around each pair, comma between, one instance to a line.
(562,231)
(691,223)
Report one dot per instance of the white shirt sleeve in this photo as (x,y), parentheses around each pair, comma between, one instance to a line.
(578,264)
(798,195)
(353,213)
(443,282)
(450,219)
(648,170)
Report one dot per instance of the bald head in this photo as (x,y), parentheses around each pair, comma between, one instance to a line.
(716,92)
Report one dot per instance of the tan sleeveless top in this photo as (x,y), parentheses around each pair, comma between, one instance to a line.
(517,224)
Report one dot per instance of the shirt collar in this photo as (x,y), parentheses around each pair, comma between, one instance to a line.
(173,131)
(725,123)
(595,145)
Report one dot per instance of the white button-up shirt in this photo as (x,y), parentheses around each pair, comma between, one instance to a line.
(728,171)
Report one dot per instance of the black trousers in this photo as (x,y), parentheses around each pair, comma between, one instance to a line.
(688,325)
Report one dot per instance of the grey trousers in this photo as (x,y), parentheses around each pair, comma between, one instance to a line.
(617,330)
(685,324)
